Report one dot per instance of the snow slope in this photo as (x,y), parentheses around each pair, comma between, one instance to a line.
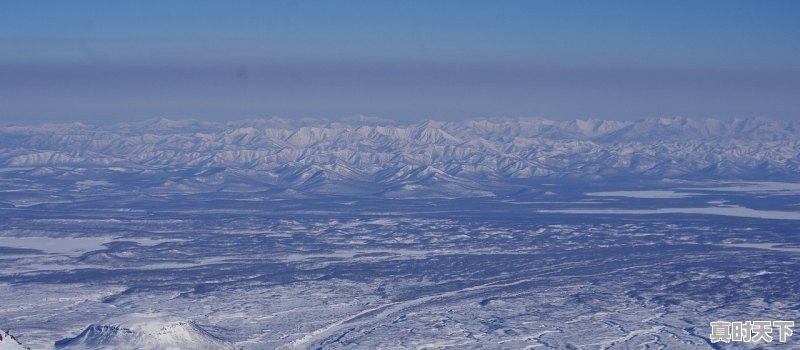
(8,342)
(144,331)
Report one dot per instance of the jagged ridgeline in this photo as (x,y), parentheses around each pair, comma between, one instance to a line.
(379,157)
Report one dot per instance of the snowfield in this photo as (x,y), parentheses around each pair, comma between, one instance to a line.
(368,234)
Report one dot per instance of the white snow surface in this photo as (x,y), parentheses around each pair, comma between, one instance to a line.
(7,342)
(153,331)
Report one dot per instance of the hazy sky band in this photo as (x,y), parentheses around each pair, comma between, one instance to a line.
(399,74)
(446,59)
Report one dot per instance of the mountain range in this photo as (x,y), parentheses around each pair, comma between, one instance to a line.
(371,156)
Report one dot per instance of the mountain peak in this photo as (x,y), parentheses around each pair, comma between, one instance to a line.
(144,331)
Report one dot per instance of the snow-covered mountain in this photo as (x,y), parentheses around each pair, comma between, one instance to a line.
(144,331)
(9,342)
(372,156)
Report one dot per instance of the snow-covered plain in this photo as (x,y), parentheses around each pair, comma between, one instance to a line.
(642,194)
(730,210)
(368,234)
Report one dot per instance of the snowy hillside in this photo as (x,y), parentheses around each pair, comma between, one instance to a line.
(373,156)
(8,342)
(144,331)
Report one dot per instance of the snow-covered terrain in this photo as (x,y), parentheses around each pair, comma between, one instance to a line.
(370,234)
(144,331)
(370,156)
(9,342)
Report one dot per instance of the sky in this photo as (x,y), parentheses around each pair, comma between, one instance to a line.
(109,61)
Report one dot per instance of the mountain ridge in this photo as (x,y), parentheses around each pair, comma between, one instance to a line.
(368,155)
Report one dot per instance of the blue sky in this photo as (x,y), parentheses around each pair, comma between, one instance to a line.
(99,61)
